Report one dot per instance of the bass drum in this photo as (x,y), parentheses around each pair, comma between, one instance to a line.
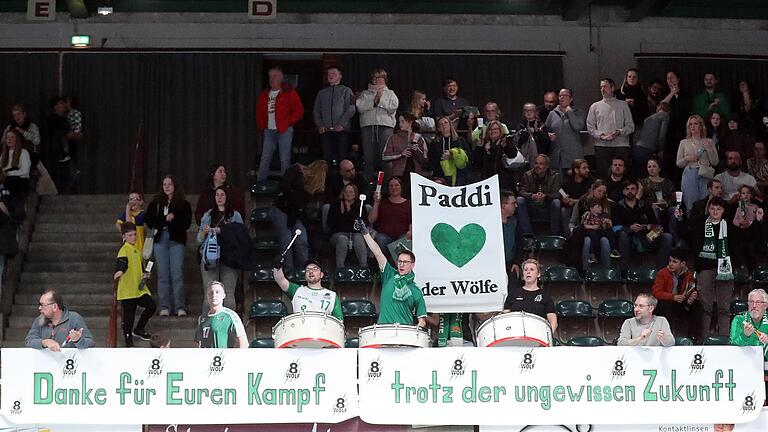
(308,330)
(515,329)
(393,336)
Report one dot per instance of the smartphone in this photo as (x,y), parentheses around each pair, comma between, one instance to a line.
(480,122)
(148,267)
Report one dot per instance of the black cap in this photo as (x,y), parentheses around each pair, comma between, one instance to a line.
(315,262)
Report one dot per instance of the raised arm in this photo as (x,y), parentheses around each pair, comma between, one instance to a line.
(372,245)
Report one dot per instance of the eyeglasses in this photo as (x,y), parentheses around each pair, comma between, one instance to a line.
(309,269)
(403,262)
(640,305)
(753,302)
(42,305)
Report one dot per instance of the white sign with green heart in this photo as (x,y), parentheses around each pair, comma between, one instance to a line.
(459,245)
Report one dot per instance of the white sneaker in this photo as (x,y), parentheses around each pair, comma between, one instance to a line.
(164,312)
(181,312)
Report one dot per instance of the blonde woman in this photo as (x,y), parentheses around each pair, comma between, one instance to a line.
(421,108)
(697,156)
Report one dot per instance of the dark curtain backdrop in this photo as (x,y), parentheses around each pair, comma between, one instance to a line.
(728,72)
(196,109)
(29,78)
(510,80)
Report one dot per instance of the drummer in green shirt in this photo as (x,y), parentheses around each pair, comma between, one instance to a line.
(401,299)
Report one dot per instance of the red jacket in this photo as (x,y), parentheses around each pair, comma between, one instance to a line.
(662,286)
(288,108)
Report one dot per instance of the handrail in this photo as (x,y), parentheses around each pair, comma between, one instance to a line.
(112,329)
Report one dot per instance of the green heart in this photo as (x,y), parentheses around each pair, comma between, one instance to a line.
(458,247)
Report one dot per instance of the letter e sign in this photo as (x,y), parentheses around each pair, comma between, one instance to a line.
(262,9)
(41,10)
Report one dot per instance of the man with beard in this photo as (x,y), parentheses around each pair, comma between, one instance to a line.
(751,328)
(312,297)
(733,178)
(654,95)
(550,102)
(709,100)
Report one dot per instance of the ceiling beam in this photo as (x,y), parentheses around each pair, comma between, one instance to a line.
(640,10)
(573,9)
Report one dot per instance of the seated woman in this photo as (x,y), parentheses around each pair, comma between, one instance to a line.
(341,220)
(579,246)
(16,164)
(575,185)
(390,217)
(530,297)
(659,192)
(748,231)
(448,154)
(219,214)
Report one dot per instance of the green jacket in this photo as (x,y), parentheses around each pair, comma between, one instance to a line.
(702,101)
(737,332)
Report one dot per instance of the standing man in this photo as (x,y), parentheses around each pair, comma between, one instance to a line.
(333,111)
(550,102)
(650,139)
(222,327)
(654,94)
(710,100)
(645,329)
(450,104)
(609,123)
(401,300)
(278,110)
(564,124)
(313,297)
(57,327)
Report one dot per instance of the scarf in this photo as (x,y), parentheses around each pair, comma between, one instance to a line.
(717,249)
(402,290)
(450,328)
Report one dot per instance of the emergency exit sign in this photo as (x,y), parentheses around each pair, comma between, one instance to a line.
(41,10)
(262,9)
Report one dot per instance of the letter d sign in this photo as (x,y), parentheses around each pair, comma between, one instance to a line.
(41,10)
(262,9)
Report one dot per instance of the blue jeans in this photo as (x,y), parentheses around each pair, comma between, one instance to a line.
(547,210)
(694,187)
(335,146)
(169,257)
(299,252)
(275,141)
(662,245)
(604,256)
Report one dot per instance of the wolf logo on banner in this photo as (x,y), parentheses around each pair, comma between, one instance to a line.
(457,237)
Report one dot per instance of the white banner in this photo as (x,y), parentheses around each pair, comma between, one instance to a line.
(759,425)
(196,386)
(563,385)
(459,245)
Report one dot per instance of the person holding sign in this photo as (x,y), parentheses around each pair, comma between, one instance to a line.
(222,327)
(401,299)
(313,297)
(530,298)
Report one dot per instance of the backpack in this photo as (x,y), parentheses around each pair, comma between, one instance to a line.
(211,250)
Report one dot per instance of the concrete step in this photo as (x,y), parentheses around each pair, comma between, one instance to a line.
(101,266)
(97,218)
(88,310)
(52,278)
(66,289)
(73,228)
(90,199)
(73,255)
(58,242)
(173,325)
(102,299)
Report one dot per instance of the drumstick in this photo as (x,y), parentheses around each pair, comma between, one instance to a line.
(296,234)
(362,203)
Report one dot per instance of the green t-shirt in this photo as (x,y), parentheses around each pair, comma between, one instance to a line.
(400,312)
(220,330)
(737,332)
(314,300)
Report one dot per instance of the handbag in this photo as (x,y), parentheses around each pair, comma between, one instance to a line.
(211,251)
(149,243)
(707,172)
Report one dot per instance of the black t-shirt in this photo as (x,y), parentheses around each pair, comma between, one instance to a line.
(536,302)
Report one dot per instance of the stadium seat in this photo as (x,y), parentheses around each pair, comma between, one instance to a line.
(352,342)
(268,309)
(586,341)
(262,343)
(561,274)
(265,244)
(358,308)
(741,275)
(313,214)
(298,276)
(353,275)
(760,276)
(616,309)
(574,309)
(269,187)
(556,342)
(260,214)
(262,274)
(641,279)
(738,306)
(603,283)
(550,243)
(683,341)
(717,340)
